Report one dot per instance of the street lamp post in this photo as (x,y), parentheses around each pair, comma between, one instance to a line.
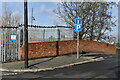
(32,17)
(25,34)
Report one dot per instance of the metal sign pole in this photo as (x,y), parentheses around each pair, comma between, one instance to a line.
(77,44)
(77,27)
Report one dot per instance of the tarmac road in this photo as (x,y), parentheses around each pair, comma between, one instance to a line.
(104,69)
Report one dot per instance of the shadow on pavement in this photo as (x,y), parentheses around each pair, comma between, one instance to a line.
(98,55)
(42,62)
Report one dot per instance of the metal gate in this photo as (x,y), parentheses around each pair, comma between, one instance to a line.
(9,50)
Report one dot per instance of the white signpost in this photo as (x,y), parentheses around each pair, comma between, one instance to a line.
(78,27)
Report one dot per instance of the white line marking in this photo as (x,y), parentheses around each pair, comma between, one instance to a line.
(9,74)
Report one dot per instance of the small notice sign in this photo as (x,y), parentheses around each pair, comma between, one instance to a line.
(78,21)
(77,28)
(13,37)
(78,24)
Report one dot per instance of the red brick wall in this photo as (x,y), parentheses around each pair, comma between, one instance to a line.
(43,49)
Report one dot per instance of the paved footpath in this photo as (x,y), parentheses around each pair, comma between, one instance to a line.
(51,63)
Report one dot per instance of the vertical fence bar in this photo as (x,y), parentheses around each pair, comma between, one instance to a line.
(9,43)
(4,46)
(0,45)
(23,35)
(11,47)
(58,34)
(44,35)
(19,44)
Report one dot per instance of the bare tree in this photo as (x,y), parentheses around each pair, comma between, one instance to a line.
(16,19)
(9,18)
(96,17)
